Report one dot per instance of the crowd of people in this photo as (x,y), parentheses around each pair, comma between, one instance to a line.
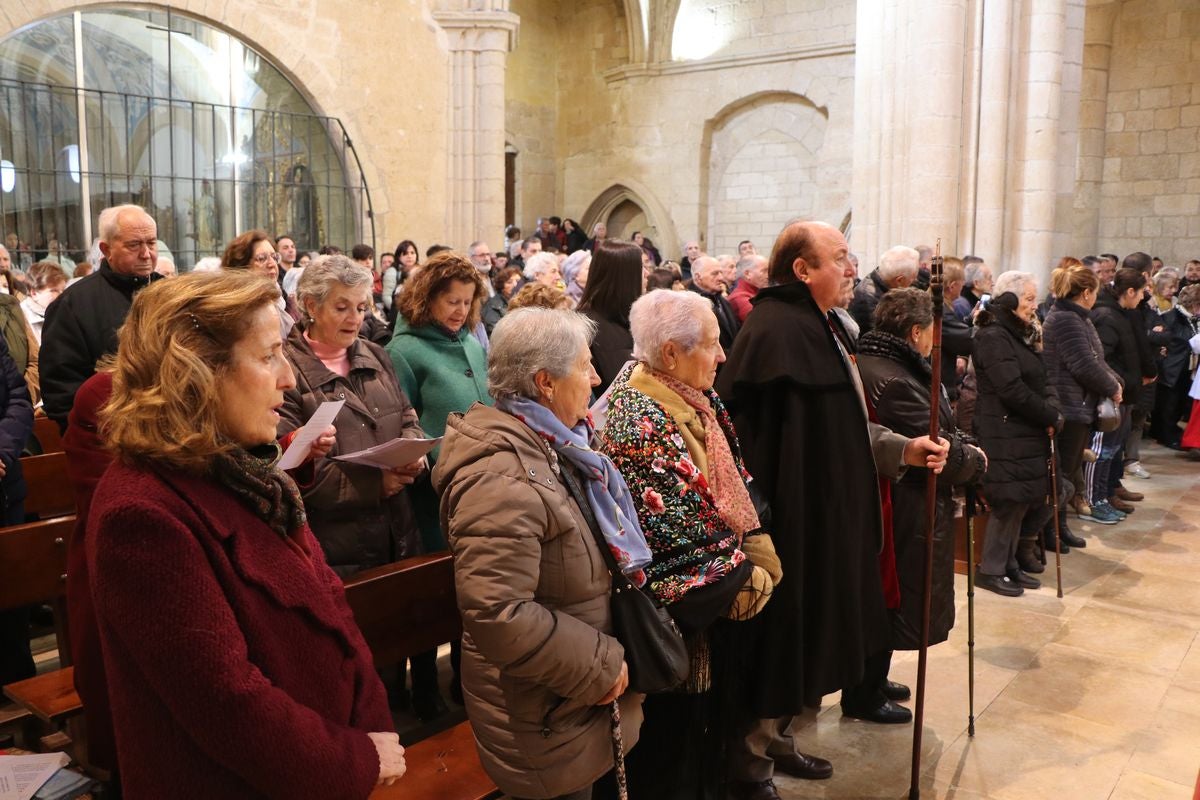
(706,426)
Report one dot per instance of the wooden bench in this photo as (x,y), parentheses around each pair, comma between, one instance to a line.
(404,609)
(46,431)
(48,485)
(33,563)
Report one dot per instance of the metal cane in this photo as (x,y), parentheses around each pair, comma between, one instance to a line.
(1054,504)
(970,513)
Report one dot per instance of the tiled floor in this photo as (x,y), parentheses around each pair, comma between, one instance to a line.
(1092,697)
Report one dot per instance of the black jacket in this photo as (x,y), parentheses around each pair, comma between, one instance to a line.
(16,423)
(1016,405)
(1181,329)
(867,294)
(80,329)
(1120,343)
(1074,359)
(611,348)
(956,341)
(726,316)
(896,380)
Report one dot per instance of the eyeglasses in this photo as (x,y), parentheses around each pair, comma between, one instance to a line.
(263,258)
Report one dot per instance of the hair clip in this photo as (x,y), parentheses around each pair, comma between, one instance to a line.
(195,321)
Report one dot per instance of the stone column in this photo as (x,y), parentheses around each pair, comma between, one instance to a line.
(909,118)
(479,40)
(1093,117)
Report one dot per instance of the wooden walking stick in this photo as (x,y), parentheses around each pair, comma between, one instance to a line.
(935,400)
(970,514)
(1054,505)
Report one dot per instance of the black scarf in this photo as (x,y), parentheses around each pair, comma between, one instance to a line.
(262,487)
(886,345)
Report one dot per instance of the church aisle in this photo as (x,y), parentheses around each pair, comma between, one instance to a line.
(1092,697)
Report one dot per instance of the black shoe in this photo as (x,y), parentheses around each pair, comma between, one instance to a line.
(1070,539)
(1018,577)
(802,765)
(1000,584)
(1027,556)
(896,691)
(754,790)
(429,705)
(1048,544)
(887,714)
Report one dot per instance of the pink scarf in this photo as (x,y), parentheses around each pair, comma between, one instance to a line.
(725,480)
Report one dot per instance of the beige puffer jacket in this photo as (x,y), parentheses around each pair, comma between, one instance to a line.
(534,596)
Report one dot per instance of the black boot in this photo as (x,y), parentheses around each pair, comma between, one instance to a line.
(1071,539)
(1027,557)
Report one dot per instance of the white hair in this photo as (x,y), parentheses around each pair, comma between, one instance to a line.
(703,264)
(747,264)
(899,261)
(663,316)
(574,263)
(110,220)
(972,271)
(531,339)
(538,263)
(324,272)
(208,264)
(95,256)
(1014,281)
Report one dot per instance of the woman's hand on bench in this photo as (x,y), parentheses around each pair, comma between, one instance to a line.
(391,757)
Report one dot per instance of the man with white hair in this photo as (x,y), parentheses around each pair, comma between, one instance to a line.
(977,281)
(707,282)
(752,276)
(81,326)
(897,269)
(481,256)
(599,234)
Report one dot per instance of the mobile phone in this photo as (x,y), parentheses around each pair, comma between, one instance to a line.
(983,301)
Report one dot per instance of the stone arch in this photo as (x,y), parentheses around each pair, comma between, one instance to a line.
(617,199)
(758,162)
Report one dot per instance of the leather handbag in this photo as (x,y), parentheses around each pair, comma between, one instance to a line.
(654,648)
(1108,416)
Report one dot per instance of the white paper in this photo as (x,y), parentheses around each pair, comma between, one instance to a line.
(321,419)
(24,775)
(396,453)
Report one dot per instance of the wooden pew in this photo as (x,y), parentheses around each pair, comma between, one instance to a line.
(33,563)
(49,487)
(404,609)
(45,430)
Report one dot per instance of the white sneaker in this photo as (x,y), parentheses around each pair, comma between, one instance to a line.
(1136,469)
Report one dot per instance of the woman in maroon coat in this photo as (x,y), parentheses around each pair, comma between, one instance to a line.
(233,663)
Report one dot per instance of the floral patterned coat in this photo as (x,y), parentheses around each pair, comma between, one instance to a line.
(691,543)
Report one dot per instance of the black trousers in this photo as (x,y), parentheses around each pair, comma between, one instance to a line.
(868,694)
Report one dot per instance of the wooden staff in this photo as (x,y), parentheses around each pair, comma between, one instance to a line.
(1054,505)
(969,510)
(931,502)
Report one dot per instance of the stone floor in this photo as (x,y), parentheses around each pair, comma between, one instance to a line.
(1092,697)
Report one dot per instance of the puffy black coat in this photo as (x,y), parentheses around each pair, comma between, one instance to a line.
(896,381)
(1074,359)
(867,295)
(956,341)
(1181,328)
(1120,343)
(16,423)
(1015,407)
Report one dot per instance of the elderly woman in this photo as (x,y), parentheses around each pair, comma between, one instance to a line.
(1182,323)
(255,251)
(576,269)
(543,268)
(893,359)
(671,438)
(1016,414)
(245,677)
(46,283)
(442,370)
(540,663)
(1074,359)
(361,515)
(1164,284)
(23,342)
(505,283)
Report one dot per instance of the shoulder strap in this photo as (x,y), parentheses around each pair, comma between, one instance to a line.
(585,507)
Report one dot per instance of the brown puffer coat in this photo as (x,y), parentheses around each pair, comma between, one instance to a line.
(534,595)
(356,526)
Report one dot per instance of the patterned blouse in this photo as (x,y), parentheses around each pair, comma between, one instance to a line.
(691,544)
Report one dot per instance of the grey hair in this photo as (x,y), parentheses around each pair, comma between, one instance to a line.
(574,263)
(95,256)
(971,274)
(538,263)
(747,264)
(899,261)
(324,272)
(109,223)
(663,316)
(1189,296)
(531,339)
(1014,281)
(1163,278)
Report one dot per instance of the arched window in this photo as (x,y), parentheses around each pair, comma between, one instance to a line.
(126,105)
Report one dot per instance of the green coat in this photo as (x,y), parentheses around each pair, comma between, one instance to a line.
(441,374)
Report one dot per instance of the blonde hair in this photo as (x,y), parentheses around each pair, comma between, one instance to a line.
(1071,280)
(538,295)
(174,346)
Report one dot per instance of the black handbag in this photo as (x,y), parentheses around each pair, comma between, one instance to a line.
(654,648)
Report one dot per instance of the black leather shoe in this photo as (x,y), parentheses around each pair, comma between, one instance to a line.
(896,691)
(802,765)
(754,790)
(1024,581)
(1070,539)
(887,714)
(1000,584)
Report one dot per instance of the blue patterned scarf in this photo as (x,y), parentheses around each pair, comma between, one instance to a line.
(609,497)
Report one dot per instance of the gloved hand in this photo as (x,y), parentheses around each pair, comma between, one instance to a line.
(760,549)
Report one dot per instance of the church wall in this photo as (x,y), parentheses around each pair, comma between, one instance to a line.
(1150,191)
(380,66)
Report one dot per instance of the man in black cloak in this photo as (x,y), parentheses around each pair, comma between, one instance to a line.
(798,406)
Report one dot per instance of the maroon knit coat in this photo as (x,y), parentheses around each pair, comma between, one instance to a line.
(234,666)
